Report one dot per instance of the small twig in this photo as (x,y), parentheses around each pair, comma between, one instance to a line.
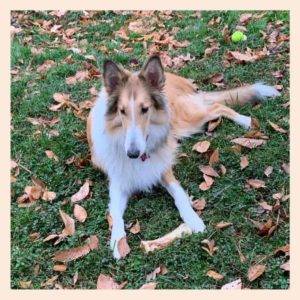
(24,168)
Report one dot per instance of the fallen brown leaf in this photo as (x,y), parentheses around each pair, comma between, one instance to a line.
(49,282)
(159,270)
(77,252)
(69,224)
(286,167)
(277,127)
(212,125)
(266,206)
(210,246)
(255,271)
(203,186)
(256,183)
(164,241)
(136,228)
(45,66)
(244,162)
(286,266)
(149,286)
(208,170)
(215,275)
(199,204)
(80,213)
(268,171)
(123,247)
(201,147)
(214,158)
(82,193)
(223,169)
(234,285)
(107,282)
(283,249)
(248,142)
(25,284)
(245,18)
(60,268)
(222,225)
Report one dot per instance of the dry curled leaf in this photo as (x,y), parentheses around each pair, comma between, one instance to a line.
(212,125)
(136,228)
(203,186)
(49,282)
(266,206)
(167,239)
(255,271)
(286,167)
(222,225)
(209,170)
(202,146)
(48,196)
(210,246)
(77,252)
(199,204)
(234,285)
(244,162)
(265,229)
(214,158)
(256,183)
(215,275)
(80,213)
(248,142)
(268,171)
(286,266)
(25,284)
(69,224)
(45,66)
(245,18)
(149,286)
(82,193)
(283,249)
(159,270)
(107,282)
(123,247)
(277,127)
(60,268)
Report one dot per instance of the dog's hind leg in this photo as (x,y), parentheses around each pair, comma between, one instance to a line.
(217,110)
(117,206)
(182,202)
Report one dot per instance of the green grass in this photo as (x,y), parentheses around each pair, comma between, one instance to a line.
(227,200)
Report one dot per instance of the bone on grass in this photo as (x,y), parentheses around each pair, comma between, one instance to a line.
(167,239)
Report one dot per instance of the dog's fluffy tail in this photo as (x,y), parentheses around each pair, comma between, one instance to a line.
(241,95)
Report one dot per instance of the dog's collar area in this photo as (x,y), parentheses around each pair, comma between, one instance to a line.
(144,156)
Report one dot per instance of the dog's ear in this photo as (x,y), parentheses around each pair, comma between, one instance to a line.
(113,76)
(153,73)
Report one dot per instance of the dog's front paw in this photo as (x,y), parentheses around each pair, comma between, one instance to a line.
(114,242)
(196,224)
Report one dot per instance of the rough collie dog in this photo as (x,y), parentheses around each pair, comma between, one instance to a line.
(134,127)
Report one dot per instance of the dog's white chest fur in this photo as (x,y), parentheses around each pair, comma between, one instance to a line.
(131,174)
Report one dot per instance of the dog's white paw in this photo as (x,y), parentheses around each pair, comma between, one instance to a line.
(264,91)
(114,240)
(243,121)
(196,224)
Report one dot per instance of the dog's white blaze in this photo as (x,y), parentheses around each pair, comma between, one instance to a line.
(134,135)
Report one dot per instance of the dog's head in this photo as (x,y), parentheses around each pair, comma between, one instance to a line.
(135,102)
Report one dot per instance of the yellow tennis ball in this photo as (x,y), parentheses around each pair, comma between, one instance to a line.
(238,36)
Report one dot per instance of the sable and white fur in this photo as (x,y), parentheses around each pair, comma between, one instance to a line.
(134,126)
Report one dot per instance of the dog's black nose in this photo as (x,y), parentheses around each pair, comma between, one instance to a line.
(134,153)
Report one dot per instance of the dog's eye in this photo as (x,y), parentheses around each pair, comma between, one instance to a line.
(122,111)
(144,110)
